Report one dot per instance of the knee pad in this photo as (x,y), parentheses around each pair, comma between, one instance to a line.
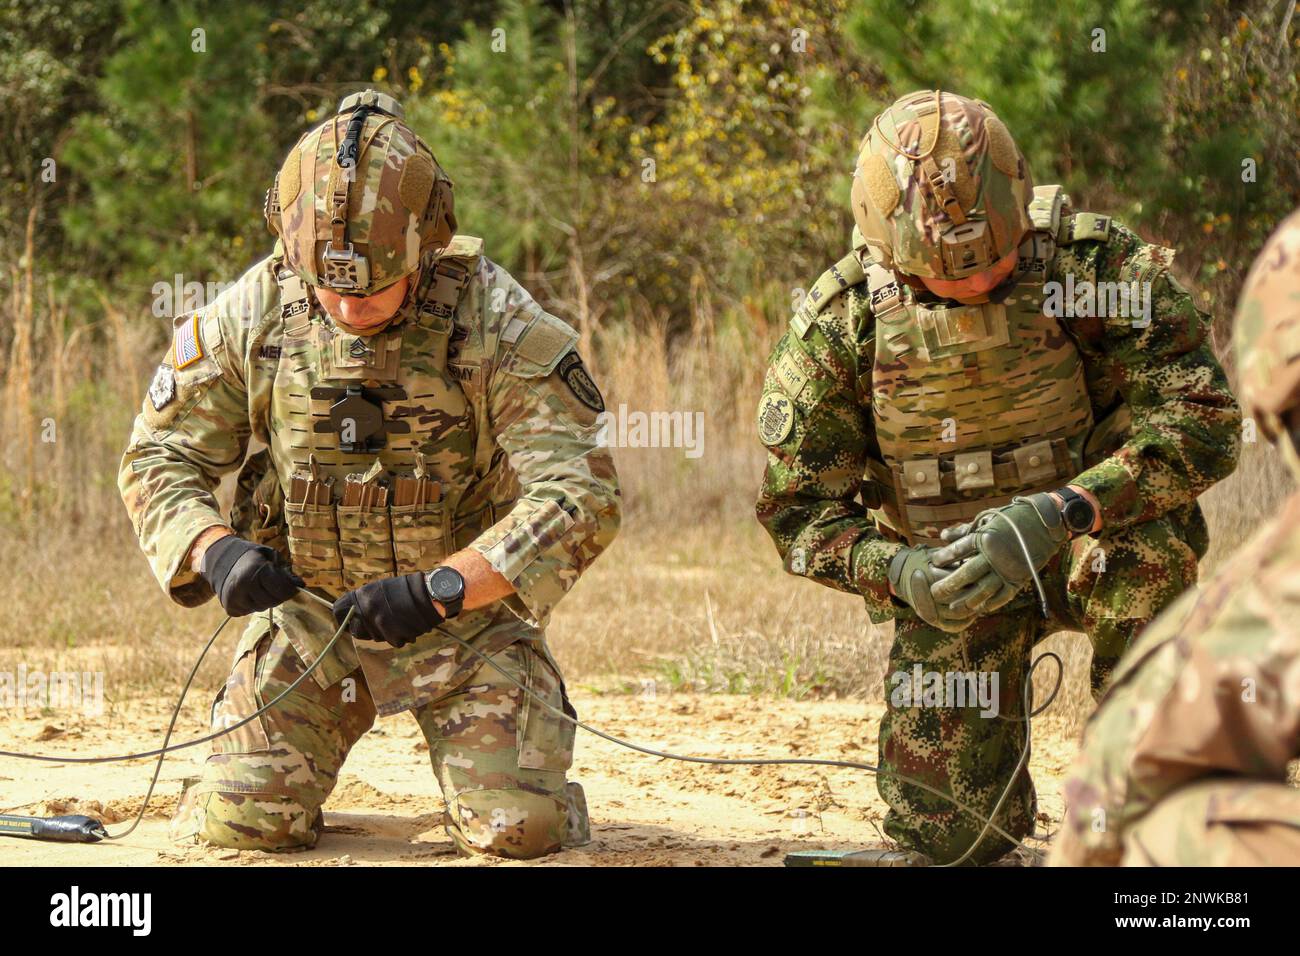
(518,824)
(246,821)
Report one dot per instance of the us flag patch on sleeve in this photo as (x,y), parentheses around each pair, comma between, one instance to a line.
(187,342)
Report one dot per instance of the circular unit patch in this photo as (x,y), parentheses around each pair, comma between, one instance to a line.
(775,418)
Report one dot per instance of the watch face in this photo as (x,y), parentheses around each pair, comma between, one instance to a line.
(446,584)
(1078,515)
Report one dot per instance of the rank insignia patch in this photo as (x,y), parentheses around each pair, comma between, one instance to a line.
(775,418)
(187,342)
(575,376)
(163,387)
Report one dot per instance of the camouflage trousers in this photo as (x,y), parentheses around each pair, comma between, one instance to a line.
(499,757)
(1109,587)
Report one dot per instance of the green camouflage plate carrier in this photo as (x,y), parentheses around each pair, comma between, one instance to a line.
(887,419)
(484,446)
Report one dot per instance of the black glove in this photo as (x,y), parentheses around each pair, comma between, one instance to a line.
(245,576)
(396,610)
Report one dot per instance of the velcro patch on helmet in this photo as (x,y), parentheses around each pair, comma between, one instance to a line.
(951,159)
(416,183)
(880,184)
(289,182)
(1002,148)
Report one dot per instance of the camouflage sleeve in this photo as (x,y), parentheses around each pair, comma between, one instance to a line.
(192,429)
(1186,424)
(1210,689)
(544,406)
(818,431)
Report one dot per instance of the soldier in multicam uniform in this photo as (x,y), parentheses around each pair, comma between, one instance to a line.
(431,461)
(1185,761)
(941,432)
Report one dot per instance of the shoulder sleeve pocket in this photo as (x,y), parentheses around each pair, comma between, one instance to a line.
(541,343)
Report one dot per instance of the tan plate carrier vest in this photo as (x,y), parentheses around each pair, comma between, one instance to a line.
(972,404)
(354,511)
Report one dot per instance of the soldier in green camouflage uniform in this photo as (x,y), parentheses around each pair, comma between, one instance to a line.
(1185,761)
(452,425)
(947,395)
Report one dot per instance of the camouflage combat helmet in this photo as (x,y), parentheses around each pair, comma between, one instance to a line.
(360,200)
(940,189)
(1266,336)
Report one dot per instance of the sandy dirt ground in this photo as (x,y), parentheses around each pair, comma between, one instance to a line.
(387,809)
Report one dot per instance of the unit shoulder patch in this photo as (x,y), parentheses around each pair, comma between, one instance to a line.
(580,383)
(543,339)
(1146,264)
(775,418)
(163,387)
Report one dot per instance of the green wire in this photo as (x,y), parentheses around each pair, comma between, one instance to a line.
(990,821)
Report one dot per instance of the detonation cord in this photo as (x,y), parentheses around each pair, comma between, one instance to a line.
(167,747)
(990,821)
(987,517)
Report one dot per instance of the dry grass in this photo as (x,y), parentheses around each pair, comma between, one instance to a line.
(90,603)
(1237,506)
(691,595)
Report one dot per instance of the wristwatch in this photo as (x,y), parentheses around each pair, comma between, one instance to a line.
(447,587)
(1076,511)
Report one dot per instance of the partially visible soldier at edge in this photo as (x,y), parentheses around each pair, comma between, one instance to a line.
(1185,761)
(943,424)
(432,462)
